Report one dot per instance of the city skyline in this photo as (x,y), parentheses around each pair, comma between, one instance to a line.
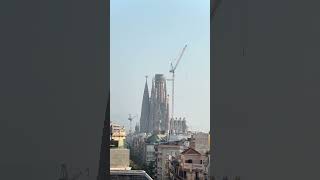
(145,37)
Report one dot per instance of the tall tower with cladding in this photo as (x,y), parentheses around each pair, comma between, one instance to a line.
(159,105)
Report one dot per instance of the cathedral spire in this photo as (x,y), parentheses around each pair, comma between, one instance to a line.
(146,86)
(144,117)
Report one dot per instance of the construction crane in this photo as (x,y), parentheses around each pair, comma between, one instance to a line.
(131,118)
(172,70)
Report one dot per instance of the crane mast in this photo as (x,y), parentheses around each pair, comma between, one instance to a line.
(172,70)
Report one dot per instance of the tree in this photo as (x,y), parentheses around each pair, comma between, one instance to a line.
(150,168)
(134,166)
(137,160)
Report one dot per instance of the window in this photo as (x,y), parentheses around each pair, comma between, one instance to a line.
(189,161)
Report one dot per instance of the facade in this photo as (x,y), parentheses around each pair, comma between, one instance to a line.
(149,153)
(118,135)
(163,151)
(178,126)
(188,166)
(207,166)
(119,155)
(137,147)
(137,129)
(201,142)
(159,105)
(119,159)
(155,108)
(192,164)
(149,147)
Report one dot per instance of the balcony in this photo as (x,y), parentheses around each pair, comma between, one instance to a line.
(193,166)
(119,134)
(197,166)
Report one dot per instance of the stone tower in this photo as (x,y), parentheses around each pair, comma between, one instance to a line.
(137,129)
(145,110)
(159,105)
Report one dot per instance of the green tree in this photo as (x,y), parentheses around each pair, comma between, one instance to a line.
(150,169)
(134,166)
(137,161)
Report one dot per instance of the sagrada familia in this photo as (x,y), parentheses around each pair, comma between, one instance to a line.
(155,109)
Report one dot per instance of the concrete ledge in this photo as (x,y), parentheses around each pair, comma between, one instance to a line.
(133,173)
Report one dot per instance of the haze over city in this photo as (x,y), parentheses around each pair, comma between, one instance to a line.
(145,37)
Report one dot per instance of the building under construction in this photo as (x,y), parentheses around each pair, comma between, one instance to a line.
(155,109)
(178,126)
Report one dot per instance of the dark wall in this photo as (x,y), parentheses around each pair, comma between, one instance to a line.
(265,89)
(54,86)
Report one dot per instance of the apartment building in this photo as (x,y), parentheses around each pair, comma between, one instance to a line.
(117,136)
(200,141)
(149,150)
(190,165)
(162,152)
(119,155)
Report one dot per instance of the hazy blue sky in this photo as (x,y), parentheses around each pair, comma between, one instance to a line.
(145,36)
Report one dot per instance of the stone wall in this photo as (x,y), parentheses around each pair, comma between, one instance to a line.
(119,158)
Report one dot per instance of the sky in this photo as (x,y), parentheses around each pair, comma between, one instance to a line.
(145,36)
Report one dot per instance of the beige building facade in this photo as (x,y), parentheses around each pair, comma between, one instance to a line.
(162,152)
(188,166)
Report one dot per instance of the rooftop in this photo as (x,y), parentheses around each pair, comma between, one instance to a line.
(190,151)
(156,138)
